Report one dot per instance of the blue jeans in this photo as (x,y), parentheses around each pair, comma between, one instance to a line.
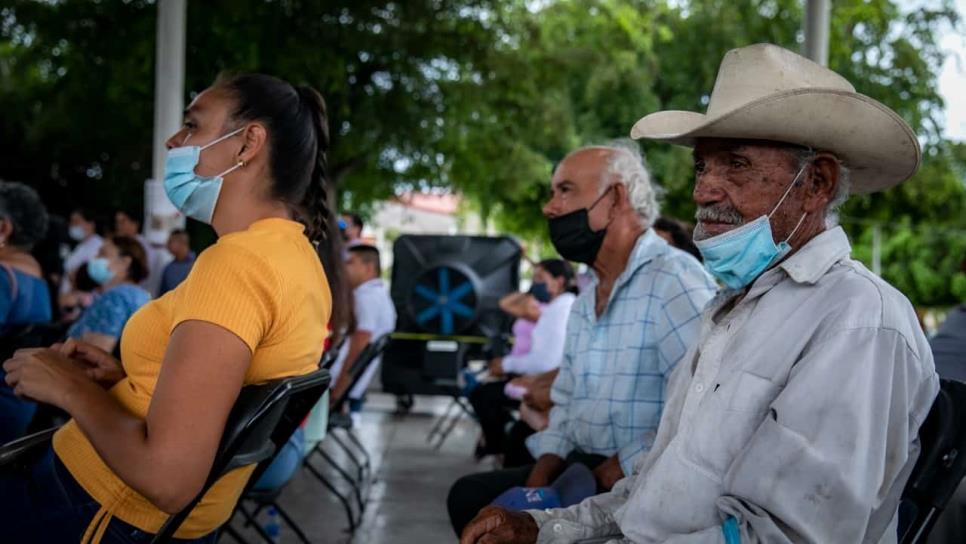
(45,504)
(284,465)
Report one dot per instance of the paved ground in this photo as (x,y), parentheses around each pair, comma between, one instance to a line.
(407,500)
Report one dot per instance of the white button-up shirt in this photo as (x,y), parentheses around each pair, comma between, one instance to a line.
(548,339)
(375,314)
(85,251)
(796,413)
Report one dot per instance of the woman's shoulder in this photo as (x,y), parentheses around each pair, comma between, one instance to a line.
(21,265)
(564,300)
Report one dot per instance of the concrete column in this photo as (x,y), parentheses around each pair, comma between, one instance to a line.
(160,216)
(817,15)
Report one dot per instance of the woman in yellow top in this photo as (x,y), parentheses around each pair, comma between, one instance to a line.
(254,308)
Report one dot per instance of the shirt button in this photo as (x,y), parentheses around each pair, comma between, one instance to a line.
(699,388)
(557,527)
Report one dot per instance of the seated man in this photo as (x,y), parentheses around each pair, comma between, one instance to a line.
(374,315)
(795,417)
(179,245)
(625,333)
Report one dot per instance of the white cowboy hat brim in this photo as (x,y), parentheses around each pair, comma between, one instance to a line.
(876,145)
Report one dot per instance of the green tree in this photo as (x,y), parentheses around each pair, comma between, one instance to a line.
(482,97)
(77,87)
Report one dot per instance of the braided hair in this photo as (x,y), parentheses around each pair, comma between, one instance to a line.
(296,121)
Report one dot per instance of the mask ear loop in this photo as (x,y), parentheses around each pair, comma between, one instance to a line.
(787,191)
(800,221)
(601,197)
(238,165)
(225,137)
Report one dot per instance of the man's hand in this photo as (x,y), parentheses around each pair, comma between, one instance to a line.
(98,364)
(494,525)
(608,473)
(548,467)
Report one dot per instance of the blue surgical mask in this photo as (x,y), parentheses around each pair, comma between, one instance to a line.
(99,270)
(194,195)
(739,256)
(76,233)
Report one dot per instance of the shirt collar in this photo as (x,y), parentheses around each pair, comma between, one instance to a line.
(816,257)
(648,246)
(806,266)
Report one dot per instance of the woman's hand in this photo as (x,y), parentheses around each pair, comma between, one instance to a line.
(45,375)
(99,364)
(525,382)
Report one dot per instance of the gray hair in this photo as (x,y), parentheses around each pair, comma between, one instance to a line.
(626,165)
(842,190)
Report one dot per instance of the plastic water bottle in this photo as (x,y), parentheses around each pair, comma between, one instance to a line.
(272,527)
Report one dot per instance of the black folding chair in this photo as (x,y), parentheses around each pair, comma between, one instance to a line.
(262,420)
(331,355)
(940,467)
(340,421)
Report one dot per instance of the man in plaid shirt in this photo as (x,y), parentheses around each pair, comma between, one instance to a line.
(625,334)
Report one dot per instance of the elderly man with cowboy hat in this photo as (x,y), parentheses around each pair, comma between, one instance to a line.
(795,416)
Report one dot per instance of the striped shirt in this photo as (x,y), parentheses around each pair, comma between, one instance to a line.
(609,393)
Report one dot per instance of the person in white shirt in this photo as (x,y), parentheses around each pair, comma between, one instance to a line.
(375,316)
(554,292)
(83,230)
(795,417)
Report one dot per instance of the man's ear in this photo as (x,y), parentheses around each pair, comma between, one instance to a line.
(822,182)
(621,199)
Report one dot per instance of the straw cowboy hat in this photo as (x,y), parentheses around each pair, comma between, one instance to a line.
(764,92)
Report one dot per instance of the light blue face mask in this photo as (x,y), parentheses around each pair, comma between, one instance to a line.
(194,195)
(99,270)
(739,256)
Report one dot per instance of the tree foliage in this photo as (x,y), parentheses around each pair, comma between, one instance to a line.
(482,97)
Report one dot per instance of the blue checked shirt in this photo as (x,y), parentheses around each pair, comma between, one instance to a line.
(609,393)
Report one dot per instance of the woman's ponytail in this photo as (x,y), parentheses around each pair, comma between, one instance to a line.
(318,215)
(298,135)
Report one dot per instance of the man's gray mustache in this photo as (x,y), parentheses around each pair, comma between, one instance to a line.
(718,214)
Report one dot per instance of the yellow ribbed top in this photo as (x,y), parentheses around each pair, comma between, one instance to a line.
(265,285)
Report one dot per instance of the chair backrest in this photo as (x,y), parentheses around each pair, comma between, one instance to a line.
(262,420)
(331,355)
(366,357)
(22,452)
(941,464)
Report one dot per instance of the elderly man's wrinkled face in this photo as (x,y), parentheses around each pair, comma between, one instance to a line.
(737,181)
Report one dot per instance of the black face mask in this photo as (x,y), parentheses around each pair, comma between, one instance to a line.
(540,292)
(572,236)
